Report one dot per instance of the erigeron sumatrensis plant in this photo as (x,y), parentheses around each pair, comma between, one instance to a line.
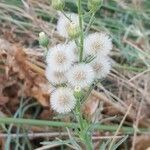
(74,66)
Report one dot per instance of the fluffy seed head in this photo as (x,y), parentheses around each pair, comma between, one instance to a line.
(64,23)
(60,58)
(80,75)
(97,43)
(62,100)
(54,77)
(101,66)
(72,47)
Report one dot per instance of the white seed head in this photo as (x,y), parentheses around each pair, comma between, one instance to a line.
(97,43)
(73,47)
(55,77)
(101,66)
(62,100)
(64,23)
(60,58)
(81,75)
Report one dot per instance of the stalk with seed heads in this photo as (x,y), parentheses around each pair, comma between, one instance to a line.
(73,66)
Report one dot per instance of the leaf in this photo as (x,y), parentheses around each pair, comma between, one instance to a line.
(119,143)
(90,106)
(142,142)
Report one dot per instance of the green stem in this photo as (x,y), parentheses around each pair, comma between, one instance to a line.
(66,15)
(83,135)
(46,51)
(35,122)
(81,30)
(90,23)
(79,114)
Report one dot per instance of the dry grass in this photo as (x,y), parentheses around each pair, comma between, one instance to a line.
(129,81)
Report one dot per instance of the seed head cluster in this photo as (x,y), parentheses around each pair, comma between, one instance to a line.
(66,72)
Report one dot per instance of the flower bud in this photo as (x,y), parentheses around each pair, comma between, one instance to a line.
(73,31)
(43,39)
(94,4)
(78,93)
(58,4)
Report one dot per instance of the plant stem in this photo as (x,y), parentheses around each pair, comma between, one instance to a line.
(117,131)
(81,30)
(79,115)
(66,16)
(90,23)
(35,122)
(83,134)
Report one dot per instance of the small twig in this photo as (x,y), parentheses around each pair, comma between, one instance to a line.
(52,134)
(137,124)
(116,105)
(130,84)
(138,75)
(35,135)
(116,133)
(66,16)
(137,48)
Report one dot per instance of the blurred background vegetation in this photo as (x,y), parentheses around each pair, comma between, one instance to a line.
(127,22)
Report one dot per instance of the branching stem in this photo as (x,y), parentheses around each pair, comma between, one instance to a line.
(81,30)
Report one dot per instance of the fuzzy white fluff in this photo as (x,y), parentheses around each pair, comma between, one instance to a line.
(73,47)
(64,23)
(101,66)
(97,43)
(81,75)
(62,100)
(54,77)
(60,58)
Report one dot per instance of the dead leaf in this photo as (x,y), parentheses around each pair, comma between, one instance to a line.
(142,142)
(90,106)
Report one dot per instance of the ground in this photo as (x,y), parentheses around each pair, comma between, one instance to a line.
(123,98)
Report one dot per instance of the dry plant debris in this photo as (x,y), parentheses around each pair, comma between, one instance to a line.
(22,74)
